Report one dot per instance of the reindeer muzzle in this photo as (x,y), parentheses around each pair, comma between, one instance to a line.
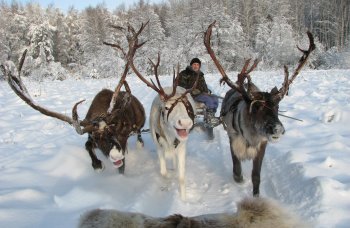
(116,157)
(277,131)
(183,127)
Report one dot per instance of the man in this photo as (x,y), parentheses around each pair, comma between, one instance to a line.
(201,93)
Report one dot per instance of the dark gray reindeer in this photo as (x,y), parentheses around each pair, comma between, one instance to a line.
(110,120)
(250,116)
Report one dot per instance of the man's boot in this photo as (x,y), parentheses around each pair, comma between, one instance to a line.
(211,120)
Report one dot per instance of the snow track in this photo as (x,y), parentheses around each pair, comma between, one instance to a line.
(47,178)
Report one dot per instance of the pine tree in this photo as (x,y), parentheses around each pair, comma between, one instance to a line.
(41,42)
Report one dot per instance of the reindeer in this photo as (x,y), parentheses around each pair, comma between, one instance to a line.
(249,115)
(171,118)
(112,117)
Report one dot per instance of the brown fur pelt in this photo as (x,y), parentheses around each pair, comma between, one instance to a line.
(251,213)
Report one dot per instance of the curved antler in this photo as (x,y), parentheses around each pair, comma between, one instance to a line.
(302,61)
(20,89)
(133,46)
(239,86)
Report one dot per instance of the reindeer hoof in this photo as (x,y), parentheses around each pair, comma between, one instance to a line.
(238,179)
(140,145)
(256,193)
(98,166)
(121,169)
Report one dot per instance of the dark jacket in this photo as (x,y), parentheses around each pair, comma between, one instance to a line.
(187,78)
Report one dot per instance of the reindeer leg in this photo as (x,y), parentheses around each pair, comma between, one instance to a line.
(237,167)
(139,139)
(121,169)
(162,162)
(257,162)
(89,146)
(181,165)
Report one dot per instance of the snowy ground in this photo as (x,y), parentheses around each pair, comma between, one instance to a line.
(47,180)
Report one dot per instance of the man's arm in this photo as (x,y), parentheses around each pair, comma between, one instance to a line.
(202,85)
(182,80)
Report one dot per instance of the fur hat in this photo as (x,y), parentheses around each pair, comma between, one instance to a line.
(195,60)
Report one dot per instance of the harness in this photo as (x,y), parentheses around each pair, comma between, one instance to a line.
(189,109)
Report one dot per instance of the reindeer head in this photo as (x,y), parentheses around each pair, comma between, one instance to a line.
(261,108)
(177,113)
(176,105)
(110,131)
(262,111)
(106,136)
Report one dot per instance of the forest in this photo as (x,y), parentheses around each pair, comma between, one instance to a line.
(70,44)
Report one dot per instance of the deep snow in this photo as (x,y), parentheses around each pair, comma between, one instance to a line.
(47,179)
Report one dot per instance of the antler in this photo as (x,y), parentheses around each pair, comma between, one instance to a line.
(159,89)
(239,85)
(128,56)
(133,44)
(20,89)
(287,81)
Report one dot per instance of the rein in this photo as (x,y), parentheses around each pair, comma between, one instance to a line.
(265,106)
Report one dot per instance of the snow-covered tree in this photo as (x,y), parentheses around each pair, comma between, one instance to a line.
(41,43)
(74,49)
(154,34)
(13,33)
(93,30)
(60,40)
(275,43)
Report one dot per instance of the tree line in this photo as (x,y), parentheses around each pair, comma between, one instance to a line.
(264,29)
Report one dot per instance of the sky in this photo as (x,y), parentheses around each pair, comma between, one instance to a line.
(65,4)
(47,178)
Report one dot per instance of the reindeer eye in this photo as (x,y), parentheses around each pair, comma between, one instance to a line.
(167,108)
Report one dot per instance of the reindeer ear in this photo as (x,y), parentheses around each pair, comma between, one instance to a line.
(274,91)
(275,95)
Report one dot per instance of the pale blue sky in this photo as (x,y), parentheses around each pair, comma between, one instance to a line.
(65,4)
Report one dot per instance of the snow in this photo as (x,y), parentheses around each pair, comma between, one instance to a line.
(47,179)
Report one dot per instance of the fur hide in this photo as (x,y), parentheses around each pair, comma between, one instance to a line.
(251,213)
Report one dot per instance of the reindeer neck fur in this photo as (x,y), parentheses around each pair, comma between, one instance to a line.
(244,139)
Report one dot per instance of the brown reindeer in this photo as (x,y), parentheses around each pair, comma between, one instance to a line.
(110,120)
(250,116)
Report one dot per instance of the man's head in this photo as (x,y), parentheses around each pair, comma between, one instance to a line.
(195,64)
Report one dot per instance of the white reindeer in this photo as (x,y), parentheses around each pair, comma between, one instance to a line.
(172,114)
(171,118)
(170,122)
